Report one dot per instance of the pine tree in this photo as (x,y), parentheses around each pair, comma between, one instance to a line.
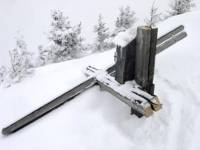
(125,20)
(20,60)
(154,16)
(44,56)
(102,35)
(3,72)
(65,39)
(180,6)
(74,42)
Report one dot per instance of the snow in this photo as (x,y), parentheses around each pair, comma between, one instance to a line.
(96,120)
(123,38)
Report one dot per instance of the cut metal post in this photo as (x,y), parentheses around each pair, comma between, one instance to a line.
(120,65)
(152,56)
(125,62)
(146,41)
(145,57)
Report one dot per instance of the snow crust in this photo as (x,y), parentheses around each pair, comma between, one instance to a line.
(96,120)
(123,38)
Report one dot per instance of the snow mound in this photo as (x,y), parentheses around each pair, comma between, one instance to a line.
(97,120)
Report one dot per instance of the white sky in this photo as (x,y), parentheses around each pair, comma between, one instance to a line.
(32,18)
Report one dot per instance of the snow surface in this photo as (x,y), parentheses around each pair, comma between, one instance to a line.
(96,120)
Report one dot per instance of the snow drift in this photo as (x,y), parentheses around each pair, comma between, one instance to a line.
(96,119)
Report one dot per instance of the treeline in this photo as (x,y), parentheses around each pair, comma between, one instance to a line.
(66,41)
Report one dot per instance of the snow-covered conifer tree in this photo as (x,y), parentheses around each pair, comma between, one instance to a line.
(65,39)
(180,6)
(125,20)
(102,35)
(20,59)
(44,56)
(3,72)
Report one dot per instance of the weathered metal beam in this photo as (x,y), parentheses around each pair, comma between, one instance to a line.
(143,40)
(135,102)
(120,64)
(111,69)
(146,40)
(171,41)
(152,99)
(139,100)
(152,57)
(125,59)
(170,34)
(145,57)
(49,107)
